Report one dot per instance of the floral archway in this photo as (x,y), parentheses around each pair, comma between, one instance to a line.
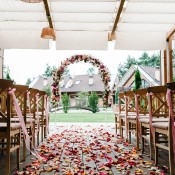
(57,74)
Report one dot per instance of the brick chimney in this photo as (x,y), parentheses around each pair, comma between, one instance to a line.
(45,81)
(91,80)
(157,74)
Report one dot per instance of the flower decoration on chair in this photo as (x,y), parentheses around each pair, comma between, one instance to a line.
(57,74)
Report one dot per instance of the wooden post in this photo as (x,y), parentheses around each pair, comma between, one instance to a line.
(169,60)
(1,62)
(163,67)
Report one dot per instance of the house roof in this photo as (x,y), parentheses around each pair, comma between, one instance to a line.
(146,71)
(80,83)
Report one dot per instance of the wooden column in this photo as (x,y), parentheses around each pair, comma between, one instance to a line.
(169,60)
(163,65)
(1,62)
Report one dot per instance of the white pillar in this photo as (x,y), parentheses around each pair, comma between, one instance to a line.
(1,62)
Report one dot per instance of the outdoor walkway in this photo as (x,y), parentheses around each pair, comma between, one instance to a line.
(85,149)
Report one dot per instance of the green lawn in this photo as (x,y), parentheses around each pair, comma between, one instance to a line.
(82,117)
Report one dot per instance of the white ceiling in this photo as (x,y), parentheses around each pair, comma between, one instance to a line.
(85,24)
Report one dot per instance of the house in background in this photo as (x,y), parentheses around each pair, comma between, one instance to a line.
(150,77)
(72,85)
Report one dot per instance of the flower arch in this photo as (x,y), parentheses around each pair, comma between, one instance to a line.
(57,74)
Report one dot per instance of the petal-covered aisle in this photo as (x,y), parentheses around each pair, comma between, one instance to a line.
(88,150)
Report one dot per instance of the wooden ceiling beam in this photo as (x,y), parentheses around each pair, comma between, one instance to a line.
(170,33)
(48,13)
(120,9)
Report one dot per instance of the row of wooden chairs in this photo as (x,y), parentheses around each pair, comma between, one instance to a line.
(31,104)
(147,113)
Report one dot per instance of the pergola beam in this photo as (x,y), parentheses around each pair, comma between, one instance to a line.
(48,13)
(122,2)
(170,33)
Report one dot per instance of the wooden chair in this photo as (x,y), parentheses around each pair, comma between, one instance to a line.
(21,95)
(129,106)
(10,133)
(33,105)
(141,107)
(120,113)
(158,112)
(165,129)
(41,112)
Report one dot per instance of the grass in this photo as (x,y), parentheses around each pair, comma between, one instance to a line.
(82,117)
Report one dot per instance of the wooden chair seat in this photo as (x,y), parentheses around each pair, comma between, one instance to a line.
(27,120)
(141,117)
(13,126)
(146,120)
(161,125)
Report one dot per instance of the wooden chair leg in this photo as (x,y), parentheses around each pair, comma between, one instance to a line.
(42,128)
(156,139)
(115,123)
(171,154)
(137,136)
(129,130)
(143,140)
(8,157)
(151,146)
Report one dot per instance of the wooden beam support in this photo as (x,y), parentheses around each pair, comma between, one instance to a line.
(163,67)
(48,13)
(117,17)
(169,56)
(170,33)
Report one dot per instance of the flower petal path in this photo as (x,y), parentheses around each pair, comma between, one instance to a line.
(88,150)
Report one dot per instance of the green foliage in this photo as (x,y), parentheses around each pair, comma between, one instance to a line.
(91,71)
(65,102)
(66,72)
(82,99)
(47,89)
(93,101)
(116,96)
(28,81)
(145,59)
(138,81)
(7,73)
(49,70)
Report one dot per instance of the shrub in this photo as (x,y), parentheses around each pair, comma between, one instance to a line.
(65,102)
(93,101)
(138,81)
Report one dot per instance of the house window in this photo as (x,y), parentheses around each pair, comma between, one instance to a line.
(77,82)
(145,84)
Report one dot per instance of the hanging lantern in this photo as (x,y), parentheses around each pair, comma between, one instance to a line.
(48,33)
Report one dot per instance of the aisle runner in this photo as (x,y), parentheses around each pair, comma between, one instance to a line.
(88,150)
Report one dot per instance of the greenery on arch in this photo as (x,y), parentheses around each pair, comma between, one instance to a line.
(57,74)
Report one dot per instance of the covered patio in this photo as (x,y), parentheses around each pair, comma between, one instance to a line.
(140,25)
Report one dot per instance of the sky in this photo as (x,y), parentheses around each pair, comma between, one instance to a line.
(24,64)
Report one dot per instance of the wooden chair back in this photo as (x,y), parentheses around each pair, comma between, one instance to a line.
(121,102)
(142,101)
(158,101)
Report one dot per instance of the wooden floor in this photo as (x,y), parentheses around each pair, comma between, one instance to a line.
(89,149)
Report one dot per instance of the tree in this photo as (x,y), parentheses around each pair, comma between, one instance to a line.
(138,81)
(66,72)
(82,99)
(93,101)
(28,81)
(49,70)
(91,71)
(7,73)
(116,96)
(122,68)
(65,102)
(145,59)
